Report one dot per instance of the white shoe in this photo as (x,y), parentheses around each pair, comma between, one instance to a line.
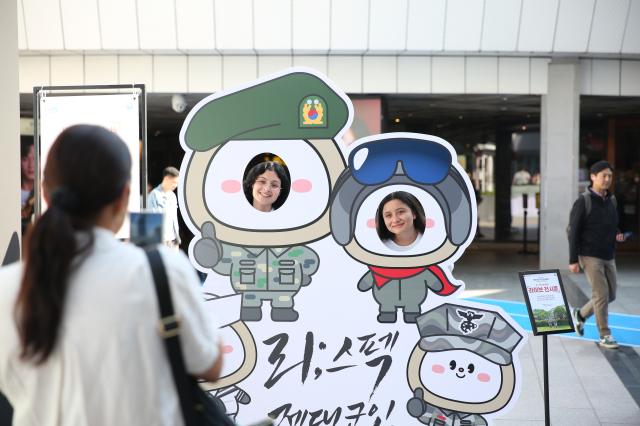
(608,342)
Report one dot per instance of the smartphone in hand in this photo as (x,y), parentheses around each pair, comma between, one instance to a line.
(146,228)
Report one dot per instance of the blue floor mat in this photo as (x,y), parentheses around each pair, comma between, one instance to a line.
(624,328)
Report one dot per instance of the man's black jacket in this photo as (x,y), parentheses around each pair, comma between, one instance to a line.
(593,235)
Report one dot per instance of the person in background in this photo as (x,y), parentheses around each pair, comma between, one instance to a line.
(593,232)
(162,199)
(27,180)
(79,318)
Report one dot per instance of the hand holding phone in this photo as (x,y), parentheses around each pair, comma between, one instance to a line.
(146,228)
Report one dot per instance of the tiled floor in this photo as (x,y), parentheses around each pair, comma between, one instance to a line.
(584,386)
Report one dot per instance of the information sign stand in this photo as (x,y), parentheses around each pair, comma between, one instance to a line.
(549,313)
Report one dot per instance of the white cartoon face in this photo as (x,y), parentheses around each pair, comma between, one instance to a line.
(233,351)
(367,236)
(461,375)
(307,199)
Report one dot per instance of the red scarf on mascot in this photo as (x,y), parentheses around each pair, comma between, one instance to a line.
(381,276)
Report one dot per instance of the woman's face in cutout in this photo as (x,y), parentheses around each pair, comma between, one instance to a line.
(398,218)
(266,190)
(227,202)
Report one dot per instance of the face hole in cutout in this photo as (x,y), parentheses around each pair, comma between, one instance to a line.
(366,234)
(266,182)
(308,198)
(400,220)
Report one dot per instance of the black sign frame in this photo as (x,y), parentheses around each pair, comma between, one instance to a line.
(535,327)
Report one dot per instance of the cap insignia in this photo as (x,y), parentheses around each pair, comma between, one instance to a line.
(467,326)
(313,111)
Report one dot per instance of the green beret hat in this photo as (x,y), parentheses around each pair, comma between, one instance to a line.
(297,105)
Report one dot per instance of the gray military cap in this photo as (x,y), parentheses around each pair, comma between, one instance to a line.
(481,331)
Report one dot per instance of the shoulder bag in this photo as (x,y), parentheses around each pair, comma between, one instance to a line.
(198,408)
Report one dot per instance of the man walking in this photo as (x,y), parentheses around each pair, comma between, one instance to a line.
(162,199)
(593,232)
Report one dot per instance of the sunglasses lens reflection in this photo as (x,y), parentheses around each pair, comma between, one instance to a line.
(423,161)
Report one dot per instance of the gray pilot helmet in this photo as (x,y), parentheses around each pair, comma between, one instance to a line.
(450,192)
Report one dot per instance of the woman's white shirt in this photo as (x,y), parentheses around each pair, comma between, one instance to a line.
(393,246)
(110,365)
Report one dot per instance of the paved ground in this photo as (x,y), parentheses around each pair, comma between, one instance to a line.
(588,385)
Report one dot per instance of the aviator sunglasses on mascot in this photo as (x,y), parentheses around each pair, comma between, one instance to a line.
(423,161)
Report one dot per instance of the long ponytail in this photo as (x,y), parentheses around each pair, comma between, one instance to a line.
(79,188)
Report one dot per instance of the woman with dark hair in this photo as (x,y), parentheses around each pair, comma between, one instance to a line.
(266,186)
(78,321)
(27,179)
(400,220)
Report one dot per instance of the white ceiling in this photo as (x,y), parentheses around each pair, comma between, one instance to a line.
(587,28)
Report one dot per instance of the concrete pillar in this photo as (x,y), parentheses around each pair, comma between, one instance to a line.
(9,133)
(9,148)
(560,125)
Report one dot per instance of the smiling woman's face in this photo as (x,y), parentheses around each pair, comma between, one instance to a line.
(266,190)
(227,202)
(398,217)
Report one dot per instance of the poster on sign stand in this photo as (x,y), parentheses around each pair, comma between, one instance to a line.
(546,301)
(119,108)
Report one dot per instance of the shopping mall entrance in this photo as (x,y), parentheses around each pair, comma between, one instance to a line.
(497,138)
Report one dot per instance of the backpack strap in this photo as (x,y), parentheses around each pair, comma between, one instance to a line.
(587,202)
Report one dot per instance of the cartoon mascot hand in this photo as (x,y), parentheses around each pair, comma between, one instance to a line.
(208,250)
(416,405)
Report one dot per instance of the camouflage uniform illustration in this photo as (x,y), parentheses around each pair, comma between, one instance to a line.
(422,165)
(298,116)
(240,355)
(463,365)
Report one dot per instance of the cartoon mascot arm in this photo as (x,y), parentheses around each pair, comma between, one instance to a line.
(416,405)
(242,397)
(310,264)
(366,282)
(208,250)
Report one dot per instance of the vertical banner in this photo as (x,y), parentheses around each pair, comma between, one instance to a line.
(117,112)
(341,258)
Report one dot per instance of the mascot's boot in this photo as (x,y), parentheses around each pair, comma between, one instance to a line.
(387,317)
(284,314)
(251,314)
